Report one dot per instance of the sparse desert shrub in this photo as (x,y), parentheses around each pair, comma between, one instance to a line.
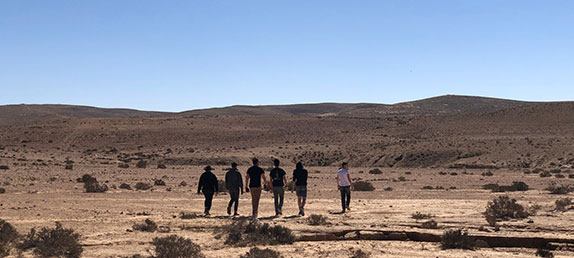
(86,178)
(417,215)
(69,166)
(544,253)
(221,185)
(537,171)
(545,174)
(183,184)
(388,189)
(142,186)
(559,176)
(571,176)
(125,186)
(4,167)
(185,215)
(57,242)
(553,188)
(2,190)
(375,171)
(261,253)
(241,233)
(431,224)
(456,239)
(515,186)
(487,173)
(442,173)
(427,187)
(360,254)
(124,165)
(141,164)
(91,185)
(527,172)
(317,220)
(148,226)
(161,166)
(453,173)
(402,179)
(556,171)
(363,186)
(562,204)
(176,247)
(8,236)
(504,208)
(159,182)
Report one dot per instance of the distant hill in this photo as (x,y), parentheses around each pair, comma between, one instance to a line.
(293,110)
(30,114)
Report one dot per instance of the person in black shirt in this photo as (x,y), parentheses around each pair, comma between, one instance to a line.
(253,181)
(278,182)
(209,186)
(234,184)
(300,182)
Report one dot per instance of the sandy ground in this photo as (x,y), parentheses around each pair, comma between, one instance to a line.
(38,198)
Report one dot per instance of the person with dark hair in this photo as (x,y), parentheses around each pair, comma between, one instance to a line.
(234,184)
(253,180)
(300,186)
(345,185)
(278,182)
(209,186)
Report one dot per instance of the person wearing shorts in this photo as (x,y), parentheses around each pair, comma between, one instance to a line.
(300,182)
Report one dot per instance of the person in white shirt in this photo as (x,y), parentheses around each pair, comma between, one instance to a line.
(345,185)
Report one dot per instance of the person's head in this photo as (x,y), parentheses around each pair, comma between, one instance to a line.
(233,165)
(208,169)
(299,165)
(345,165)
(255,161)
(276,162)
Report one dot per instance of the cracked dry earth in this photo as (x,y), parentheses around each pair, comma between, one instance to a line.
(105,220)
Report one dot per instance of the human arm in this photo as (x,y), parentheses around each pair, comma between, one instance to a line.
(264,179)
(247,182)
(199,184)
(240,182)
(351,182)
(338,182)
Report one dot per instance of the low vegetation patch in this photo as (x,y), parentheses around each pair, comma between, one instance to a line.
(2,190)
(124,165)
(161,166)
(141,164)
(456,239)
(431,224)
(360,254)
(8,237)
(544,253)
(559,189)
(418,215)
(563,204)
(504,208)
(514,187)
(125,186)
(317,220)
(545,174)
(159,182)
(261,253)
(363,186)
(143,186)
(4,167)
(375,171)
(91,185)
(148,226)
(185,215)
(176,247)
(57,242)
(241,233)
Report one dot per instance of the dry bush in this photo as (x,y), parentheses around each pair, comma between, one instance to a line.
(388,189)
(553,188)
(504,208)
(159,182)
(562,204)
(91,185)
(456,239)
(427,187)
(544,253)
(4,167)
(8,237)
(142,186)
(514,187)
(125,186)
(545,174)
(2,190)
(124,165)
(241,233)
(57,242)
(375,171)
(417,215)
(431,224)
(148,226)
(261,253)
(184,215)
(363,186)
(141,164)
(183,184)
(317,220)
(487,173)
(176,247)
(360,254)
(161,166)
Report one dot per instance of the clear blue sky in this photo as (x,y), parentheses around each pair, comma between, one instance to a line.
(180,55)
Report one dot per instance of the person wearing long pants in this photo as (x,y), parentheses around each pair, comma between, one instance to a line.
(253,180)
(345,185)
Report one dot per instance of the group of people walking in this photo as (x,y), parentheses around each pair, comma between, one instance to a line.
(255,181)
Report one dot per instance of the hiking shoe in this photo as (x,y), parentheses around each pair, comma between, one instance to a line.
(228,210)
(349,208)
(235,214)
